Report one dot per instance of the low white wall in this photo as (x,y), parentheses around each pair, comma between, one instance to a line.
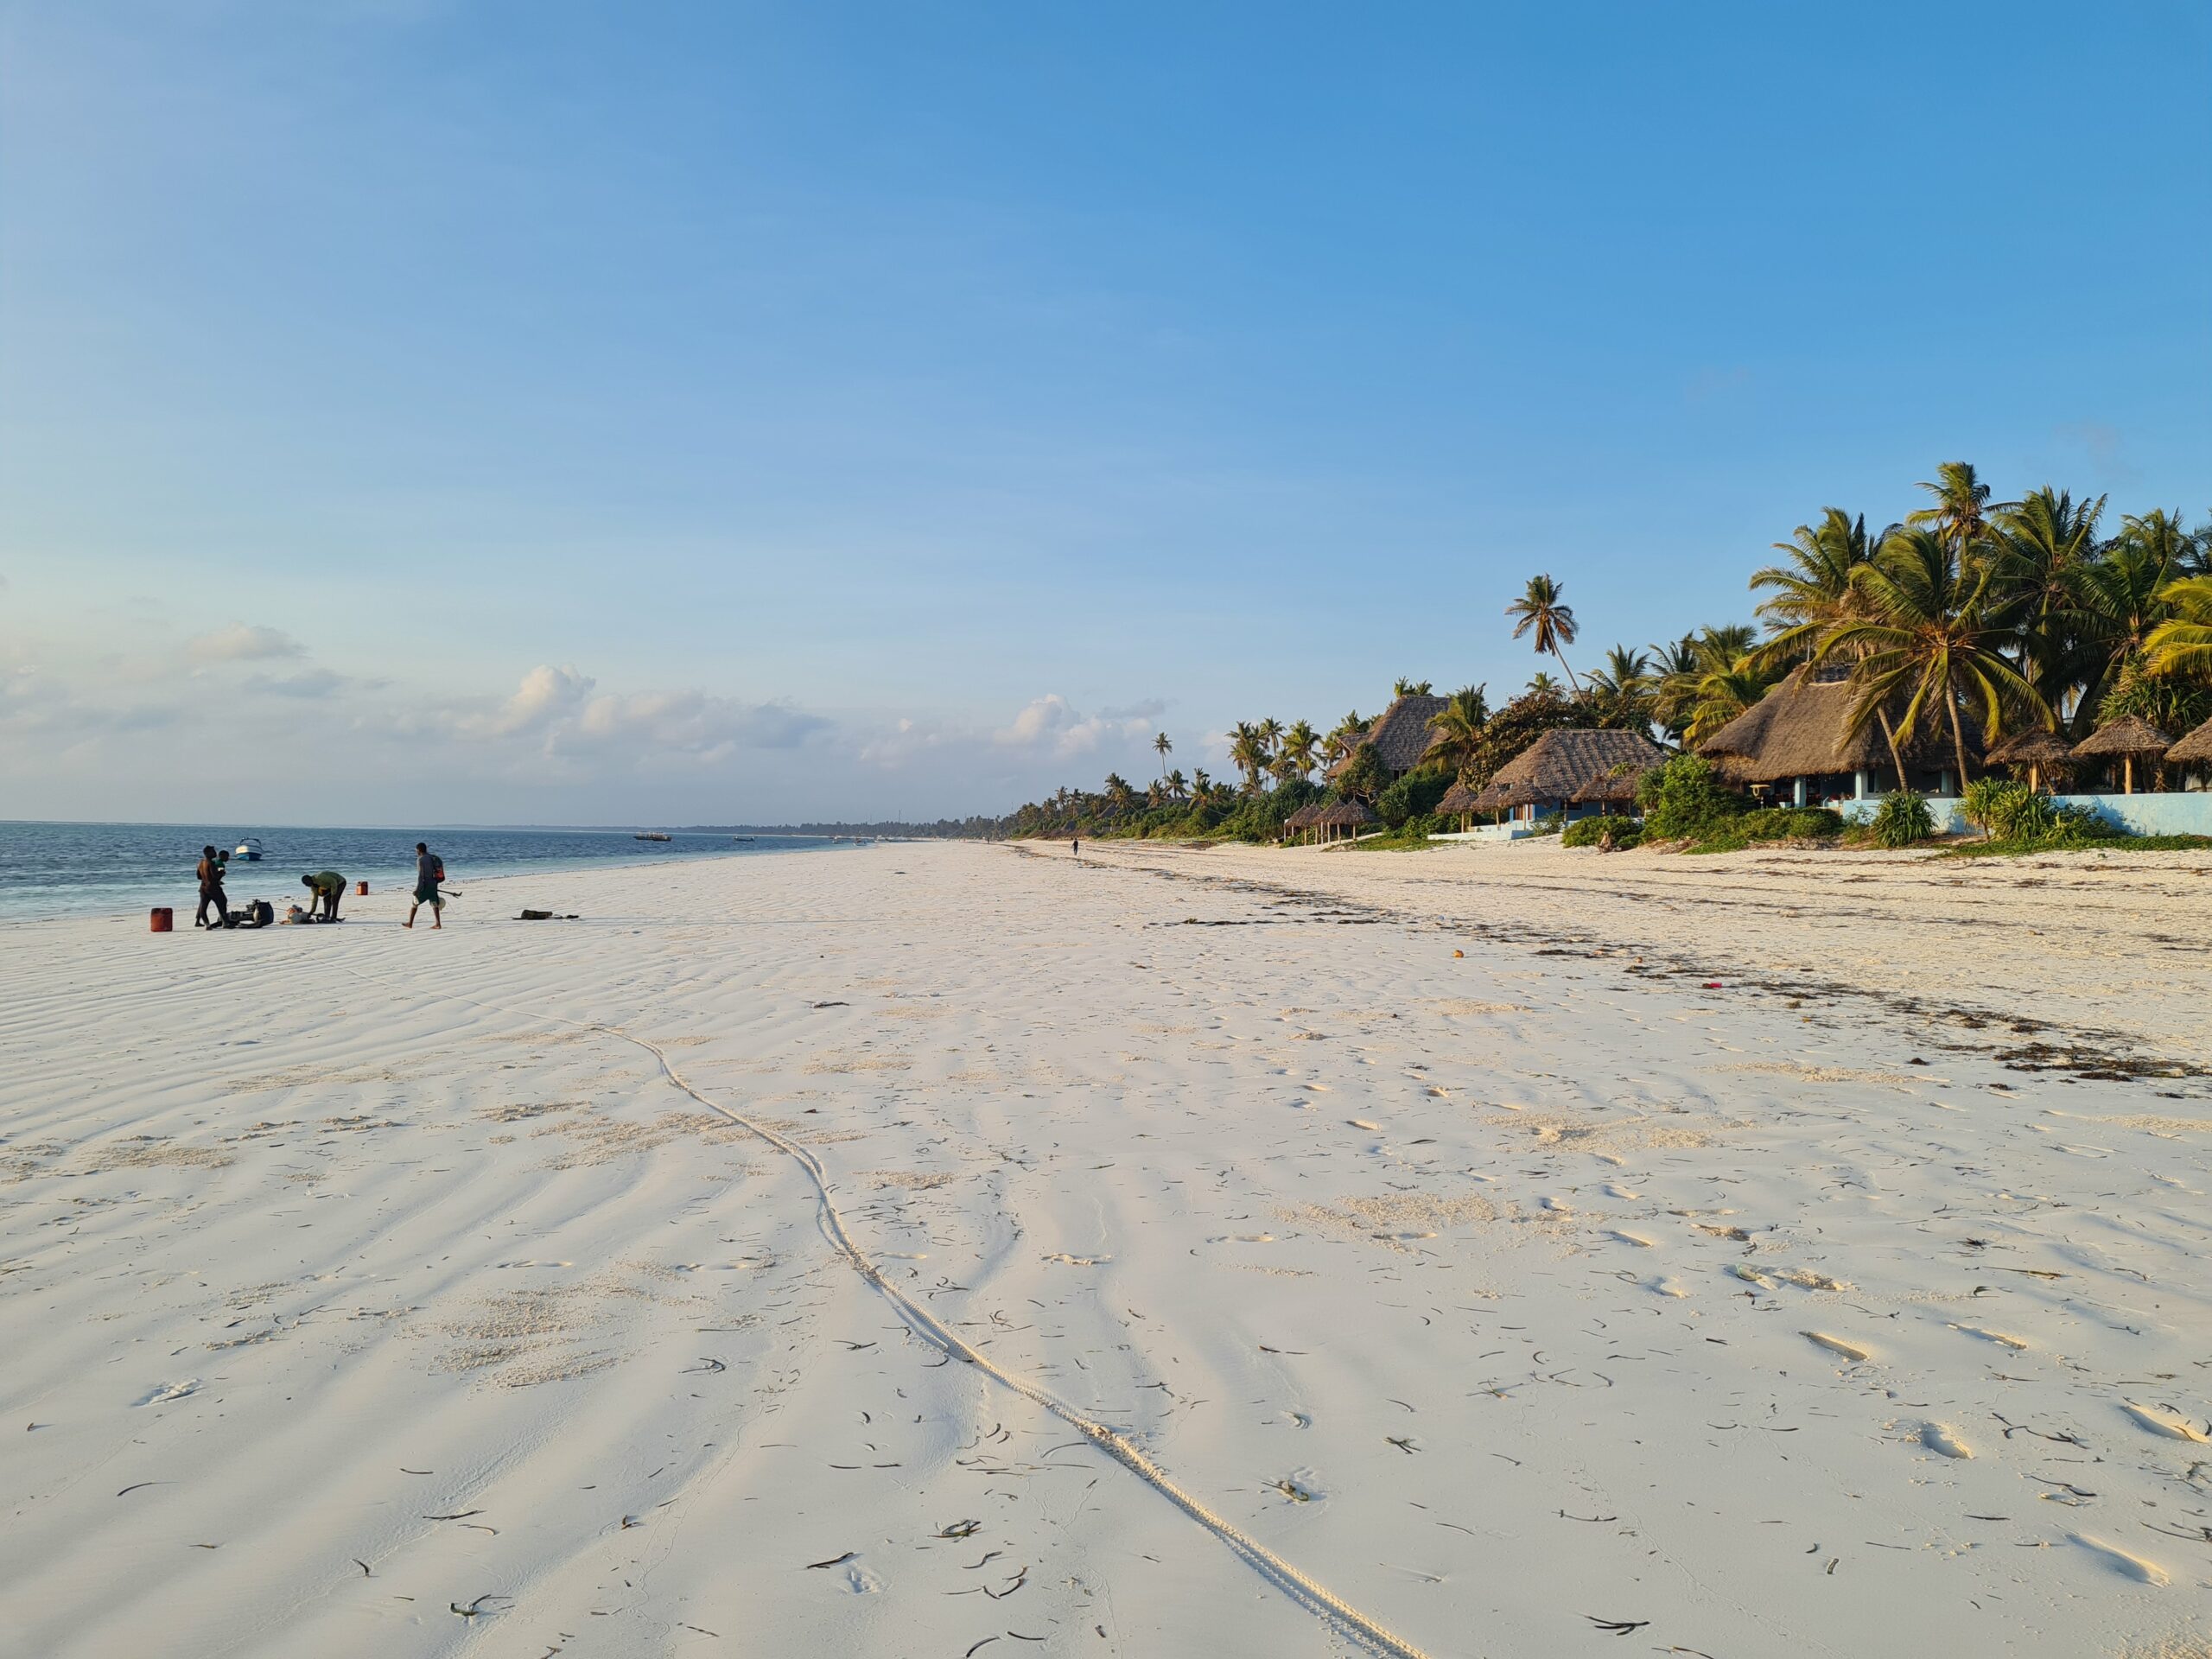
(2184,814)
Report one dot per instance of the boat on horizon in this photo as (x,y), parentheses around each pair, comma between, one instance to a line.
(652,835)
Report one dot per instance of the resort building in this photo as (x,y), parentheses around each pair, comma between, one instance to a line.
(1790,748)
(1574,772)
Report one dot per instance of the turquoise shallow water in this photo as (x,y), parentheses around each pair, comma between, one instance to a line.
(60,869)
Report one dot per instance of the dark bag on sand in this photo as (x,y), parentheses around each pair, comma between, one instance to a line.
(260,913)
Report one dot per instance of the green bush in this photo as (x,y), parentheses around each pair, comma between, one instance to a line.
(1414,795)
(1686,799)
(1902,819)
(1588,832)
(1790,823)
(1991,804)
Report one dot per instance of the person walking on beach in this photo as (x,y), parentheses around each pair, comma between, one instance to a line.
(1077,841)
(211,892)
(429,870)
(323,889)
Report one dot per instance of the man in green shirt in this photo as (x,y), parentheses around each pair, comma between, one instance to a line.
(323,889)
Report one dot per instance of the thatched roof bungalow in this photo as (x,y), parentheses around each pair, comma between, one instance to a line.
(2127,739)
(1792,743)
(1550,772)
(1458,802)
(1302,820)
(1400,735)
(1346,818)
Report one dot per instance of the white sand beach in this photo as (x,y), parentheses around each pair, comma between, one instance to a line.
(942,1250)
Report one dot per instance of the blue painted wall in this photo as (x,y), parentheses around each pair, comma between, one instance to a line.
(2189,814)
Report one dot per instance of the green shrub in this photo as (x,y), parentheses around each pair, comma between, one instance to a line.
(1991,804)
(1902,819)
(1686,799)
(1414,795)
(1790,823)
(1363,778)
(1588,832)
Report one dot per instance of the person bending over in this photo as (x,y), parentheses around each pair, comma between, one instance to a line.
(323,890)
(211,892)
(429,872)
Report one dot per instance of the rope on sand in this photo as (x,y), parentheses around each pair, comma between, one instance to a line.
(1314,1597)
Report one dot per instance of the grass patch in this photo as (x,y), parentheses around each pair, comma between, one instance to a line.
(2115,844)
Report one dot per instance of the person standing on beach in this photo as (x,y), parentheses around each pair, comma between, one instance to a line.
(323,889)
(211,892)
(1077,841)
(429,872)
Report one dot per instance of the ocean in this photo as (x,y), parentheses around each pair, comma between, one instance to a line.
(60,869)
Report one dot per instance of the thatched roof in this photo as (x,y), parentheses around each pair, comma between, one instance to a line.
(1492,798)
(2195,749)
(1304,816)
(1458,799)
(1344,815)
(2128,735)
(1797,730)
(1561,762)
(1614,788)
(1400,733)
(2033,747)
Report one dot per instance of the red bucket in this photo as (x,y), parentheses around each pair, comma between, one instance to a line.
(361,889)
(163,920)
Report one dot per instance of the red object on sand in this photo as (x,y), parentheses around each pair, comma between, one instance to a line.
(1711,984)
(163,920)
(361,889)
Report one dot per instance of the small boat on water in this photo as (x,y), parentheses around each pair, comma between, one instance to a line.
(742,837)
(249,849)
(652,835)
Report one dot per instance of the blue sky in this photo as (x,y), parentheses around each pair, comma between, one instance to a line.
(565,413)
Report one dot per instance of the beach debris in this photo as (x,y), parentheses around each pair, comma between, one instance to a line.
(127,1491)
(962,1529)
(476,1609)
(1403,1444)
(1618,1626)
(1837,1346)
(834,1561)
(1459,953)
(1291,1490)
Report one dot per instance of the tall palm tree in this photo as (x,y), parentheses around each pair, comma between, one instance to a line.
(1271,731)
(1201,786)
(1163,748)
(1299,749)
(1962,512)
(2039,547)
(1928,631)
(2117,601)
(1247,752)
(1809,592)
(1455,729)
(1544,608)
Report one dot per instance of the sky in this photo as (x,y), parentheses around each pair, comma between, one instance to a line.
(539,412)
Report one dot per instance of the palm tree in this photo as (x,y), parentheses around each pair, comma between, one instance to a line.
(1201,786)
(1928,631)
(1247,752)
(1344,738)
(1961,514)
(1542,607)
(2183,643)
(1811,592)
(1406,688)
(1705,679)
(1175,782)
(2039,548)
(1271,731)
(1623,686)
(1163,748)
(1120,797)
(1298,749)
(2117,601)
(1455,729)
(1541,684)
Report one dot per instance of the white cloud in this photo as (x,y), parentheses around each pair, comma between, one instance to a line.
(242,643)
(1049,726)
(307,682)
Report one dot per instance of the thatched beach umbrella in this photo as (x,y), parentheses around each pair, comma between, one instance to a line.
(2127,738)
(2034,749)
(1302,819)
(1348,815)
(2193,750)
(1459,802)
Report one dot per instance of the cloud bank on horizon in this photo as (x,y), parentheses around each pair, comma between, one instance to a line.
(203,731)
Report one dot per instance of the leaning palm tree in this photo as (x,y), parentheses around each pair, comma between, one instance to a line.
(1543,608)
(1928,632)
(1962,512)
(1163,748)
(1455,729)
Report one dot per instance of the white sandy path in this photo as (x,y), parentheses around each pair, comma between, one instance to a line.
(1122,1156)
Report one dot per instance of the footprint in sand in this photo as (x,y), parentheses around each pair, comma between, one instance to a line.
(168,1391)
(1666,1285)
(1078,1261)
(1750,1277)
(1615,1190)
(1362,1123)
(1806,1279)
(861,1581)
(2159,1423)
(2016,1343)
(1941,1438)
(2132,1566)
(1851,1352)
(1629,1238)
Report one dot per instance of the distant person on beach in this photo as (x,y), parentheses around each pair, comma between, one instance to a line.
(323,889)
(1078,841)
(211,891)
(429,870)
